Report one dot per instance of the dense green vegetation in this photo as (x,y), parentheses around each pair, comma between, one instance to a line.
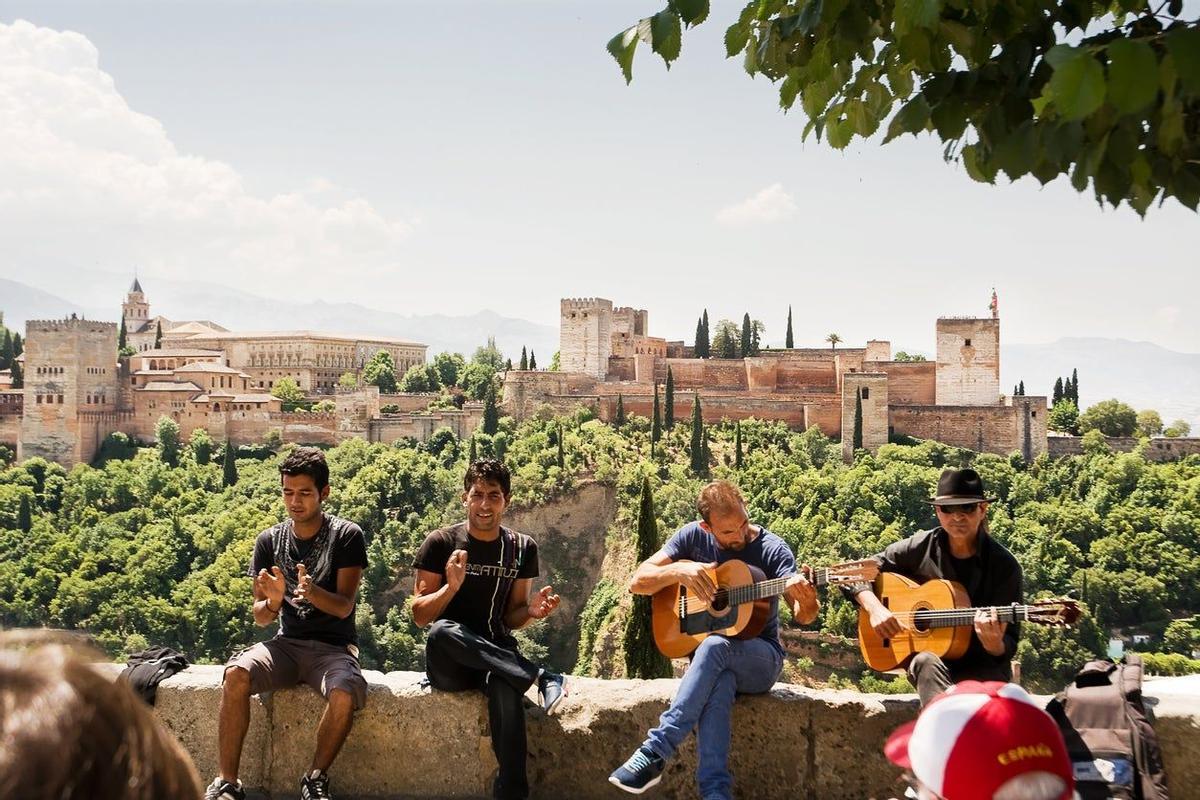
(137,551)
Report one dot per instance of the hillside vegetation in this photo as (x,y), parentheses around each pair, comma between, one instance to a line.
(136,552)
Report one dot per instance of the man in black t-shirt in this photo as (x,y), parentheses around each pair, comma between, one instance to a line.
(959,549)
(473,588)
(306,573)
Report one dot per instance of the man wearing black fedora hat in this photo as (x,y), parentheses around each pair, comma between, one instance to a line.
(958,549)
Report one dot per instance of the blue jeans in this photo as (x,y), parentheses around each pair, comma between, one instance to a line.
(721,668)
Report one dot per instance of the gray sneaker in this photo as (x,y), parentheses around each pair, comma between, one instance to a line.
(552,688)
(221,789)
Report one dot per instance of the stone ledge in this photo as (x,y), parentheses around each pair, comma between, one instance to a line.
(410,742)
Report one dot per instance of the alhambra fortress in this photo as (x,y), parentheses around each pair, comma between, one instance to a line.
(77,391)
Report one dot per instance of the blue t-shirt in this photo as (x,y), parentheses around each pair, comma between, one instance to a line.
(767,552)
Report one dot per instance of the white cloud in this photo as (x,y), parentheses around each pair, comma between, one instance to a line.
(86,180)
(772,204)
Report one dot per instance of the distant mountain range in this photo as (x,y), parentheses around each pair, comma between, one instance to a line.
(239,310)
(1142,374)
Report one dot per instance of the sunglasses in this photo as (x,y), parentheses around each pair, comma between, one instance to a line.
(964,508)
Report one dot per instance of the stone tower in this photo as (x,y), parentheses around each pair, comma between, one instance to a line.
(874,389)
(135,310)
(968,361)
(71,389)
(585,335)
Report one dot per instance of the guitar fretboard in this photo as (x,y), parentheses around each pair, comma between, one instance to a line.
(736,595)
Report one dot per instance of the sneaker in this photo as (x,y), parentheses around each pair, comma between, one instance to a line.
(221,789)
(315,786)
(642,770)
(551,689)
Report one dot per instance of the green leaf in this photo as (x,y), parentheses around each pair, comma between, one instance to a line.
(861,118)
(816,95)
(1171,131)
(622,46)
(1184,46)
(1077,83)
(692,12)
(977,168)
(1060,54)
(788,91)
(810,15)
(839,133)
(1017,153)
(959,35)
(911,14)
(900,79)
(912,118)
(750,62)
(736,36)
(666,35)
(1132,75)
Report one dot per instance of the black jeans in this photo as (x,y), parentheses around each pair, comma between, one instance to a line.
(931,675)
(458,659)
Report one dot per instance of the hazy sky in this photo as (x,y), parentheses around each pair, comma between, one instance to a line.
(450,157)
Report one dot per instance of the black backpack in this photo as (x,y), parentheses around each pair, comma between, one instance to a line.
(1108,732)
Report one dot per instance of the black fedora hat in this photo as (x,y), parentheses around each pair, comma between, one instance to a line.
(958,487)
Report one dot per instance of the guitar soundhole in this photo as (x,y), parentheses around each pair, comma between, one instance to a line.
(919,623)
(720,601)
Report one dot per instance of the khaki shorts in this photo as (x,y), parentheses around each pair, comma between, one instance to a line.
(283,662)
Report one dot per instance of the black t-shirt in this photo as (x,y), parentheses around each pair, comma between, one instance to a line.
(348,549)
(492,569)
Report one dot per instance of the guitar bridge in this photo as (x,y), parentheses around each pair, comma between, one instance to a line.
(682,611)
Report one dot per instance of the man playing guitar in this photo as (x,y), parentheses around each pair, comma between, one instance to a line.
(961,550)
(721,666)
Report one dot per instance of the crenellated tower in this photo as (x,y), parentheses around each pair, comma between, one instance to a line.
(585,335)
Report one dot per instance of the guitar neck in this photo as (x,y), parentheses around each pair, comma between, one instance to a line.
(769,588)
(960,617)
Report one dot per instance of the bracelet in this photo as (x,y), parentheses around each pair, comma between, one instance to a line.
(267,600)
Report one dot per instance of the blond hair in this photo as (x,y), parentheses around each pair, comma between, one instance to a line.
(721,497)
(67,732)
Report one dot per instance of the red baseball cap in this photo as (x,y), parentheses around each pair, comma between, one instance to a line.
(976,737)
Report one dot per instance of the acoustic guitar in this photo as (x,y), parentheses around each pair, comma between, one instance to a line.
(740,608)
(939,619)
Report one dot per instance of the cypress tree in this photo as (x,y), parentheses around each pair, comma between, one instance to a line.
(642,659)
(789,341)
(6,350)
(229,475)
(656,423)
(669,411)
(473,456)
(508,364)
(158,335)
(620,419)
(1058,392)
(18,378)
(746,346)
(532,360)
(491,415)
(121,336)
(858,421)
(524,360)
(18,346)
(25,515)
(1022,387)
(562,459)
(699,347)
(706,453)
(707,336)
(1015,392)
(1075,387)
(699,463)
(737,444)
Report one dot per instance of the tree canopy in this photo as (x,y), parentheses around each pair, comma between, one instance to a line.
(1107,93)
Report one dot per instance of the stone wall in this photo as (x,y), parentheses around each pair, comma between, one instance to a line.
(968,361)
(985,429)
(11,405)
(873,389)
(525,390)
(421,425)
(412,742)
(910,383)
(1157,449)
